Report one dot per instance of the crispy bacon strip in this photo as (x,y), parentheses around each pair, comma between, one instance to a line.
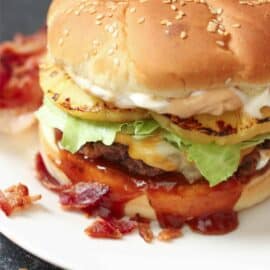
(124,226)
(15,198)
(19,61)
(83,195)
(101,228)
(144,228)
(145,232)
(110,228)
(169,234)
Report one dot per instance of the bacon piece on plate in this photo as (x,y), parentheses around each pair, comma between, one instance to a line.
(123,225)
(83,195)
(16,197)
(110,228)
(102,228)
(144,227)
(145,231)
(20,92)
(169,234)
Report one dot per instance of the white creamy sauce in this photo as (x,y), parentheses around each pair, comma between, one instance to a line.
(125,99)
(264,159)
(95,90)
(149,102)
(253,105)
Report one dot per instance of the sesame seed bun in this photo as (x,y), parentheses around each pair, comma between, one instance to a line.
(196,203)
(160,47)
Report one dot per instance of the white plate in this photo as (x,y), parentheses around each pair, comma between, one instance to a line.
(58,236)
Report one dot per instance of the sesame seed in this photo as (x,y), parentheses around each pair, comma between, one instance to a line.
(116,61)
(141,20)
(220,32)
(236,25)
(110,52)
(183,35)
(220,43)
(115,34)
(216,11)
(180,14)
(219,11)
(66,32)
(173,7)
(165,22)
(99,16)
(109,28)
(132,10)
(61,41)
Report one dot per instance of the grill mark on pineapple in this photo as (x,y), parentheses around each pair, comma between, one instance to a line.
(224,129)
(194,124)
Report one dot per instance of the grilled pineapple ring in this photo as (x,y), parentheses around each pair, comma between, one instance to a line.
(69,97)
(229,128)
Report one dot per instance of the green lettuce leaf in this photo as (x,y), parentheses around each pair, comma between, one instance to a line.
(175,140)
(77,132)
(140,128)
(215,162)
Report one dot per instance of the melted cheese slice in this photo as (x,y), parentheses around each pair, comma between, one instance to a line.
(156,152)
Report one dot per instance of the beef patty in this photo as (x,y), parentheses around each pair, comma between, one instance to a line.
(118,154)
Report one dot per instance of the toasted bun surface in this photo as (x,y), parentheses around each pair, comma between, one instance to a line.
(257,190)
(163,48)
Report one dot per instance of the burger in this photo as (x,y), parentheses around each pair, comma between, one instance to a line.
(166,103)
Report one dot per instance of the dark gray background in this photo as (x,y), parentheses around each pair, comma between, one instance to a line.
(20,16)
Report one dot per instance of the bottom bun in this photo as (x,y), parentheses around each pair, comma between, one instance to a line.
(192,200)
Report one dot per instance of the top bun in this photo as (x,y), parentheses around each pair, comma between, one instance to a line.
(166,47)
